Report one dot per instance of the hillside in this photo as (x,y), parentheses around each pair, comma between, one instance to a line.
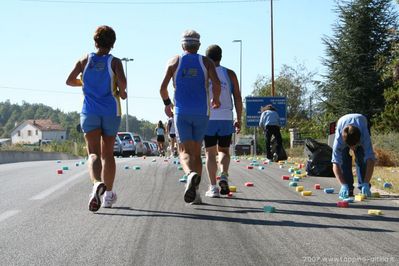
(13,114)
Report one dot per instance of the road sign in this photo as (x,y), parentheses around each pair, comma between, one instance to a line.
(254,105)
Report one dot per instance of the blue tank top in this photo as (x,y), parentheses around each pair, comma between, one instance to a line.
(99,87)
(191,86)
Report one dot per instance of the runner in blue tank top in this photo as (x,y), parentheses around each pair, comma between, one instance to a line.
(190,73)
(104,83)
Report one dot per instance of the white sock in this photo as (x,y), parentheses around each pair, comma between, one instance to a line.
(108,194)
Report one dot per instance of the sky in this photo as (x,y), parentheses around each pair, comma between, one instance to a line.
(41,40)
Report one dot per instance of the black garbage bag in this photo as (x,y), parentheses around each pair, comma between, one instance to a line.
(282,155)
(319,158)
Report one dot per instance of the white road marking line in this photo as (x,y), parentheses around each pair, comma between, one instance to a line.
(53,189)
(8,214)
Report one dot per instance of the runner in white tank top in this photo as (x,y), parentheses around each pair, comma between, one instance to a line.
(221,125)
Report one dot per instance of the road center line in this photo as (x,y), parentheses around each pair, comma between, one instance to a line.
(8,214)
(53,189)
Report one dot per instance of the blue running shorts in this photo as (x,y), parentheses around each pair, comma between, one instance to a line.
(109,125)
(220,128)
(190,127)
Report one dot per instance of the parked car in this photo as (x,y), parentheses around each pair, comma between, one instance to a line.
(154,148)
(151,148)
(148,148)
(132,144)
(243,146)
(118,146)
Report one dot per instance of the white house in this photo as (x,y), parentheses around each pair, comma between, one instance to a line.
(33,131)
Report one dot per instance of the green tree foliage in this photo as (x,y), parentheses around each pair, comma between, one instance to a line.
(388,120)
(293,83)
(356,56)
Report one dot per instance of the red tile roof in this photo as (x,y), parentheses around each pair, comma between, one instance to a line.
(45,125)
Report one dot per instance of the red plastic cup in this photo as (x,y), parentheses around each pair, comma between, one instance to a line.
(249,184)
(230,194)
(343,204)
(285,177)
(250,167)
(59,171)
(317,186)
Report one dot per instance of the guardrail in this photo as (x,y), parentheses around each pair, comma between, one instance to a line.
(24,156)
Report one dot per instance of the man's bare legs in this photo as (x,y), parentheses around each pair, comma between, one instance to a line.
(93,143)
(224,159)
(108,161)
(211,164)
(190,156)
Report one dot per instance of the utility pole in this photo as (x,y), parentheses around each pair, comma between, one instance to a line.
(272,44)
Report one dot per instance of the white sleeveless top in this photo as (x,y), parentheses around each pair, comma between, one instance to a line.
(225,111)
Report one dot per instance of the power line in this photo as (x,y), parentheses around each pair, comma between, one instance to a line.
(69,92)
(147,2)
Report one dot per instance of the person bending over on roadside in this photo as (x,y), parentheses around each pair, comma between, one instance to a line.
(352,135)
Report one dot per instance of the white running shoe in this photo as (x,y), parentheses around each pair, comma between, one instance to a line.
(193,181)
(213,192)
(224,184)
(109,200)
(95,196)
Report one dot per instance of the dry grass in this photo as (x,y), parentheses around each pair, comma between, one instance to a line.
(385,157)
(386,174)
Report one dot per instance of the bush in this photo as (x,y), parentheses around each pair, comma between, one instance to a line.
(386,147)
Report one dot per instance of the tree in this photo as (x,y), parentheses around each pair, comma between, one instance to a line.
(388,120)
(293,83)
(356,56)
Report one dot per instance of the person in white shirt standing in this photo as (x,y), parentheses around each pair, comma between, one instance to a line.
(160,131)
(221,125)
(170,128)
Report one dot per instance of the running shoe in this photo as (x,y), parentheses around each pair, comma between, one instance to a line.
(223,184)
(213,192)
(193,181)
(109,200)
(197,200)
(95,197)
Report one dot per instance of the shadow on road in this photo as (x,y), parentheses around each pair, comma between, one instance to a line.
(132,212)
(322,204)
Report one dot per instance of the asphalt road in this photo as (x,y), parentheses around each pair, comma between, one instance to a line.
(44,220)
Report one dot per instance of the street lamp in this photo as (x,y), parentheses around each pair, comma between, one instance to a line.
(125,59)
(240,41)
